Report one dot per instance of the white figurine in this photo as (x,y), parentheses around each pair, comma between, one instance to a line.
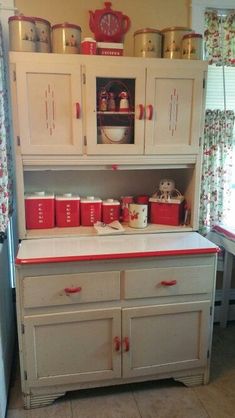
(166,190)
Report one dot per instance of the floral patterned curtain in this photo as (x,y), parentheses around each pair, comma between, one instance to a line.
(6,175)
(219,37)
(217,168)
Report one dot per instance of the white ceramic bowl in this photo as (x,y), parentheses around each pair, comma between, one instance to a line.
(114,134)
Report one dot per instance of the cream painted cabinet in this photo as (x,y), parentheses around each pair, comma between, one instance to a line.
(49,108)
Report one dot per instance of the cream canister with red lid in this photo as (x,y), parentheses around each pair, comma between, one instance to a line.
(67,210)
(90,210)
(192,46)
(66,38)
(148,43)
(110,210)
(43,34)
(22,33)
(172,39)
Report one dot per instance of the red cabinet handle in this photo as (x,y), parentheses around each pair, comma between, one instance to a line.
(126,343)
(140,112)
(117,343)
(78,110)
(73,289)
(149,112)
(169,282)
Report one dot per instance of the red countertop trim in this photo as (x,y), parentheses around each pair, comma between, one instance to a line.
(42,260)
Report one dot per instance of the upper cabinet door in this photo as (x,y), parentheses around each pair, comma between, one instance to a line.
(49,108)
(115,98)
(174,107)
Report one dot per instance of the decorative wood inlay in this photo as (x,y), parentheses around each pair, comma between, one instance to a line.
(173,112)
(50,109)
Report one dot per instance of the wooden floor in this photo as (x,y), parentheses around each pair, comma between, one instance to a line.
(159,399)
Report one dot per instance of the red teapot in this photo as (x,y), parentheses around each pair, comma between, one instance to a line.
(108,25)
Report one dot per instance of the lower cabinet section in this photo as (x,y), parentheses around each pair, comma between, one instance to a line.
(80,344)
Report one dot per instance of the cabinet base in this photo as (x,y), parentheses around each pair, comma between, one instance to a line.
(190,381)
(37,401)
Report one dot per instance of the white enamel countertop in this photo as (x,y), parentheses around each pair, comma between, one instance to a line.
(51,250)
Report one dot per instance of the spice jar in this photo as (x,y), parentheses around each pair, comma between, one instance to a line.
(148,43)
(22,33)
(192,46)
(172,39)
(66,38)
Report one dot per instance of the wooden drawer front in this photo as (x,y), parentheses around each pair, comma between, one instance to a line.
(167,281)
(71,288)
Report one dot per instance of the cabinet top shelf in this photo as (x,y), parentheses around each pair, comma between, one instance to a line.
(70,249)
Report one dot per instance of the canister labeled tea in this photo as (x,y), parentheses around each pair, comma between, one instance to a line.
(110,210)
(148,43)
(43,34)
(192,47)
(22,33)
(66,38)
(172,39)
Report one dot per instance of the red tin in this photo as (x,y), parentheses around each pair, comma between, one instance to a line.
(166,213)
(90,210)
(110,211)
(39,211)
(142,199)
(125,201)
(67,210)
(88,46)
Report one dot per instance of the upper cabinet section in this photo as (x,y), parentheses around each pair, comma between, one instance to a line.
(89,105)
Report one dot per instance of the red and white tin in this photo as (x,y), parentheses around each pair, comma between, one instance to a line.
(88,46)
(66,38)
(22,33)
(110,210)
(67,210)
(39,210)
(90,210)
(166,213)
(125,201)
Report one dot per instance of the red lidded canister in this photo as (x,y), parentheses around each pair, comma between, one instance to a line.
(110,211)
(67,210)
(125,201)
(40,210)
(90,210)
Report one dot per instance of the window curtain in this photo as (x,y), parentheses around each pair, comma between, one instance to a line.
(216,168)
(6,175)
(218,147)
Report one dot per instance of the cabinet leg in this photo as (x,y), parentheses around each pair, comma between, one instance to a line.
(189,381)
(37,401)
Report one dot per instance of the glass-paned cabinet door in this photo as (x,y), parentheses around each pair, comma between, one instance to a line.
(115,97)
(49,108)
(174,103)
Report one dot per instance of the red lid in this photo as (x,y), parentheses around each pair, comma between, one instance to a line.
(66,25)
(192,35)
(40,19)
(21,17)
(147,30)
(175,28)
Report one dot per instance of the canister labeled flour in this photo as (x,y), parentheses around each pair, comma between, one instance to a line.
(66,38)
(22,33)
(172,39)
(148,43)
(43,34)
(192,47)
(39,210)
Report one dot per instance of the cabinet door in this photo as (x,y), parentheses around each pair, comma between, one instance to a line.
(174,107)
(72,347)
(165,338)
(115,96)
(49,108)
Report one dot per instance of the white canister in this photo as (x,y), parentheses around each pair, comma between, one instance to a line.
(22,33)
(148,43)
(138,215)
(43,34)
(172,39)
(66,38)
(192,47)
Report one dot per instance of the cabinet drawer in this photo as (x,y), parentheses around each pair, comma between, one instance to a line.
(71,288)
(170,281)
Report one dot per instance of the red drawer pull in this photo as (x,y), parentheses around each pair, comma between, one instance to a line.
(73,289)
(126,342)
(169,282)
(140,112)
(117,343)
(149,112)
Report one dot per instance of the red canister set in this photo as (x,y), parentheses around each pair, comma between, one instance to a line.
(43,210)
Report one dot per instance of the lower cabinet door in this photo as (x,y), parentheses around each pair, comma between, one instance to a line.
(165,338)
(73,347)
